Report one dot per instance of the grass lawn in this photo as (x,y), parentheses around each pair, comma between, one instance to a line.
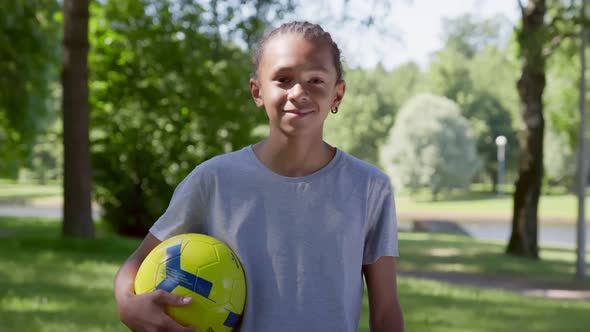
(13,192)
(449,253)
(53,284)
(476,201)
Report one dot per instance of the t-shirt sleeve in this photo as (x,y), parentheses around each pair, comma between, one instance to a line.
(185,213)
(381,236)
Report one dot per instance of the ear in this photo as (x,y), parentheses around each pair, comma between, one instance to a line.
(340,90)
(256,92)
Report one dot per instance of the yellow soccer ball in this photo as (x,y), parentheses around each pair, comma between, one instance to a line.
(203,268)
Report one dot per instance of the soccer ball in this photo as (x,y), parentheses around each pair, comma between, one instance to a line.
(203,268)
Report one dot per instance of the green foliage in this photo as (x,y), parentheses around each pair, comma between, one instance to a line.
(494,71)
(28,62)
(489,119)
(430,146)
(46,160)
(470,35)
(562,113)
(559,159)
(368,109)
(405,81)
(46,154)
(167,93)
(475,70)
(448,75)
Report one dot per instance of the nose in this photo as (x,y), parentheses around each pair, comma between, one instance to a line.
(298,93)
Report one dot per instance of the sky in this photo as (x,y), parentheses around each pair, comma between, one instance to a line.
(415,28)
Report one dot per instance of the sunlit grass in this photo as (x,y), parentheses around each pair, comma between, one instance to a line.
(483,202)
(52,284)
(438,307)
(478,200)
(15,192)
(418,251)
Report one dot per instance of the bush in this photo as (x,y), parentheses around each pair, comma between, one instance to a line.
(430,145)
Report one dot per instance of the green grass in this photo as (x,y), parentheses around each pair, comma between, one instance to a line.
(478,200)
(13,192)
(449,253)
(53,284)
(560,205)
(436,307)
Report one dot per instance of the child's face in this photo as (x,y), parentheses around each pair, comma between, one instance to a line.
(296,84)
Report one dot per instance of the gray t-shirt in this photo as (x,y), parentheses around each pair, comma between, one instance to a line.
(302,240)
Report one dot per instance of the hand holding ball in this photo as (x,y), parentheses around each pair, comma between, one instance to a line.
(203,268)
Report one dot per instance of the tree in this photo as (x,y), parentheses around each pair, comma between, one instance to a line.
(77,209)
(28,62)
(489,119)
(543,28)
(366,113)
(430,145)
(448,75)
(169,91)
(470,35)
(532,38)
(475,76)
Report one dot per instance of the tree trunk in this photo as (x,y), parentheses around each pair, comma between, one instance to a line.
(493,174)
(77,208)
(523,241)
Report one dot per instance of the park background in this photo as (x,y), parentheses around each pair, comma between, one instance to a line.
(83,173)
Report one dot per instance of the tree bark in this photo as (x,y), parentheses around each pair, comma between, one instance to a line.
(77,184)
(532,37)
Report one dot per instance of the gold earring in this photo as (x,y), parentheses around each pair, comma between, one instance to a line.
(334,110)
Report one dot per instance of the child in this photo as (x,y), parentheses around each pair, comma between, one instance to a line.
(306,219)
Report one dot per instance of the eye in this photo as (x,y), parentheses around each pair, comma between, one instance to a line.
(316,81)
(282,79)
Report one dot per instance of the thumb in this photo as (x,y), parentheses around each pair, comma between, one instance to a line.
(164,297)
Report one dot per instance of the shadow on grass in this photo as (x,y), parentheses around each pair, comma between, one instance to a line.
(459,254)
(50,283)
(47,305)
(432,306)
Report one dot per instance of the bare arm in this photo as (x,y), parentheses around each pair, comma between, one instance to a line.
(145,312)
(126,275)
(384,308)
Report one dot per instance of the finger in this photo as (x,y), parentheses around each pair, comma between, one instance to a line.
(164,297)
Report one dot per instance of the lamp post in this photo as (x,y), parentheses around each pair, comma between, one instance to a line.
(582,162)
(501,143)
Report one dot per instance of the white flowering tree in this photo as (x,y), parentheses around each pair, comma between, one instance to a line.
(430,146)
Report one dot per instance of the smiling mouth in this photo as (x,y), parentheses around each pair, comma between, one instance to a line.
(298,112)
